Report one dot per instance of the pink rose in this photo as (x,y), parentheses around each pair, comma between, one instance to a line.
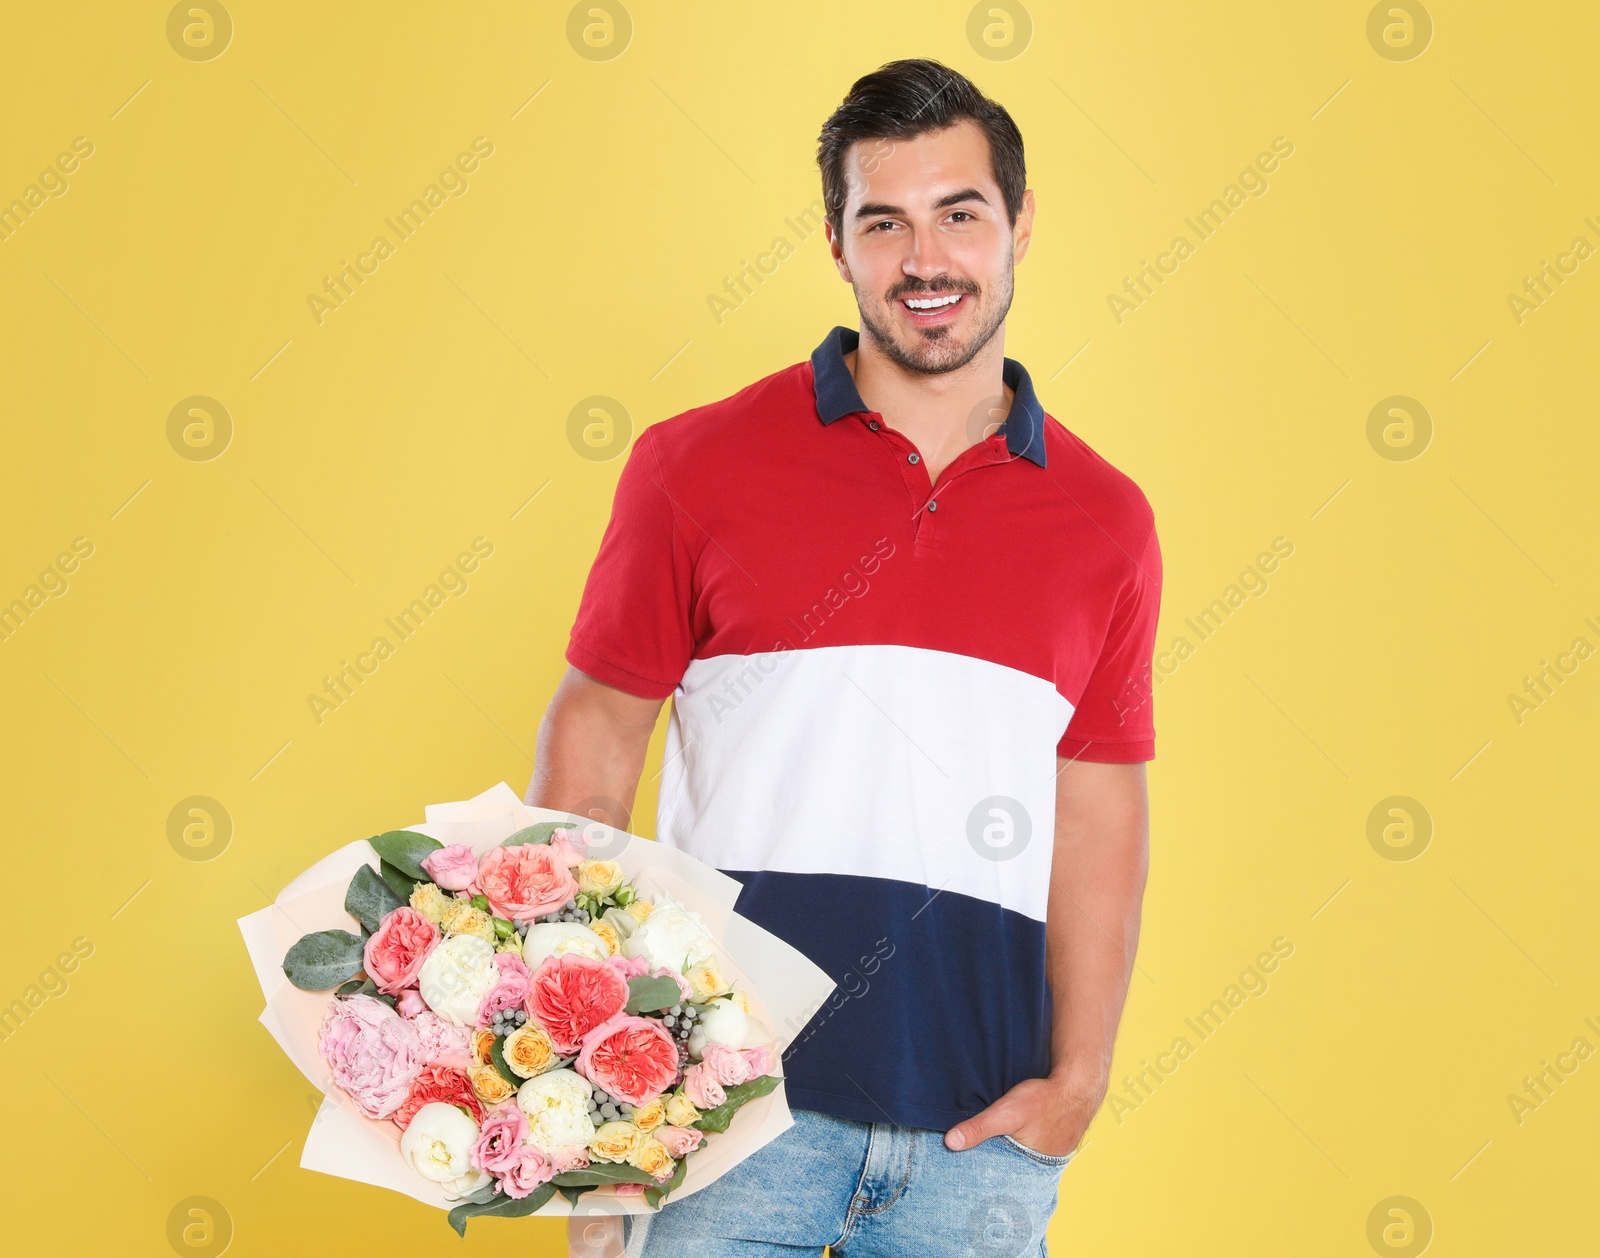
(499,1145)
(530,1170)
(443,1043)
(397,949)
(628,1190)
(510,992)
(571,1157)
(410,1003)
(632,1058)
(453,867)
(631,967)
(526,881)
(679,1141)
(701,1087)
(569,845)
(729,1065)
(763,1061)
(569,995)
(373,1054)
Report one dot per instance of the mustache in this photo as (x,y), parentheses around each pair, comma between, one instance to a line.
(918,288)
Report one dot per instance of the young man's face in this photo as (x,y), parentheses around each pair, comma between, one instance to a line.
(924,222)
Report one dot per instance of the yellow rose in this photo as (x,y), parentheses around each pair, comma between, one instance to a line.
(640,909)
(490,1084)
(707,980)
(462,917)
(529,1050)
(680,1110)
(615,1141)
(430,901)
(481,1042)
(652,1158)
(651,1114)
(599,878)
(608,935)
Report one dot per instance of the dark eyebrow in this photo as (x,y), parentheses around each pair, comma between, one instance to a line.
(875,208)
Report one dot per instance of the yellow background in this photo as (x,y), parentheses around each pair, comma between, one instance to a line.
(433,405)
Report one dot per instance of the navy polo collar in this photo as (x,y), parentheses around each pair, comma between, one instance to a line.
(837,395)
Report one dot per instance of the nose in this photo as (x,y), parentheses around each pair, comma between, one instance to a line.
(926,259)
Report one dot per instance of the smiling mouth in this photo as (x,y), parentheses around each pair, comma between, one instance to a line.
(933,308)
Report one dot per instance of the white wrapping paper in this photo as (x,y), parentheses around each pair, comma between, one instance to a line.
(784,988)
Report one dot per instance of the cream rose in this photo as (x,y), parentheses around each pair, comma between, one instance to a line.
(551,939)
(528,1050)
(681,1112)
(437,1144)
(651,1157)
(608,935)
(651,1114)
(708,979)
(431,902)
(615,1141)
(557,1106)
(490,1084)
(596,877)
(457,976)
(463,917)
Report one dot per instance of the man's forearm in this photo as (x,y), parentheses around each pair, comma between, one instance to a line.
(1097,880)
(591,751)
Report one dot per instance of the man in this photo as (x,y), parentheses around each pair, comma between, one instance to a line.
(906,619)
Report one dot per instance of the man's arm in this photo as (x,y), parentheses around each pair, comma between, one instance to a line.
(1097,879)
(591,748)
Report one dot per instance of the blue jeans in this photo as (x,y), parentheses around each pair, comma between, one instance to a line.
(869,1190)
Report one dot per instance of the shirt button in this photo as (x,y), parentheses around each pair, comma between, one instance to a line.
(872,424)
(933,505)
(912,458)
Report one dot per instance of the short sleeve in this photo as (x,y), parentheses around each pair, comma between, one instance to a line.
(1113,722)
(633,625)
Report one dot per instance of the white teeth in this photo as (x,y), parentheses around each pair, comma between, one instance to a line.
(932,303)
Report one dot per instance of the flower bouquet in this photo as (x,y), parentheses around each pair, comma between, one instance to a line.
(509,1009)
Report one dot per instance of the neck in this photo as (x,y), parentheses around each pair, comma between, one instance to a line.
(943,413)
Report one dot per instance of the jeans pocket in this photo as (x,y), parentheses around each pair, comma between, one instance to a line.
(1056,1160)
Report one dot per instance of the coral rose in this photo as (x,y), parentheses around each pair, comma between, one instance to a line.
(570,995)
(632,1058)
(396,950)
(438,1083)
(526,881)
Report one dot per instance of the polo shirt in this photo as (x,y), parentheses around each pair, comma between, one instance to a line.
(872,677)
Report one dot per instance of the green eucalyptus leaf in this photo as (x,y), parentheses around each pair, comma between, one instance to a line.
(497,1055)
(405,849)
(321,961)
(538,832)
(655,1193)
(650,995)
(501,1207)
(370,899)
(602,1173)
(719,1118)
(400,882)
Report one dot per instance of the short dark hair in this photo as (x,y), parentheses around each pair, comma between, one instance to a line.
(905,99)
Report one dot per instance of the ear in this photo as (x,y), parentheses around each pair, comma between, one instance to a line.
(1022,229)
(836,251)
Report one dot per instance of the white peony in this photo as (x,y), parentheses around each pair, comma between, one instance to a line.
(551,939)
(457,976)
(557,1106)
(671,936)
(438,1146)
(727,1021)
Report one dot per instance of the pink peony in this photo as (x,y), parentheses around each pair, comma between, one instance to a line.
(443,1043)
(526,881)
(499,1145)
(397,949)
(410,1003)
(679,1141)
(510,992)
(453,867)
(701,1087)
(632,1058)
(373,1054)
(729,1065)
(570,995)
(531,1169)
(438,1083)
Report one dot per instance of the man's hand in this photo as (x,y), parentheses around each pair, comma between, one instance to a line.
(1048,1115)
